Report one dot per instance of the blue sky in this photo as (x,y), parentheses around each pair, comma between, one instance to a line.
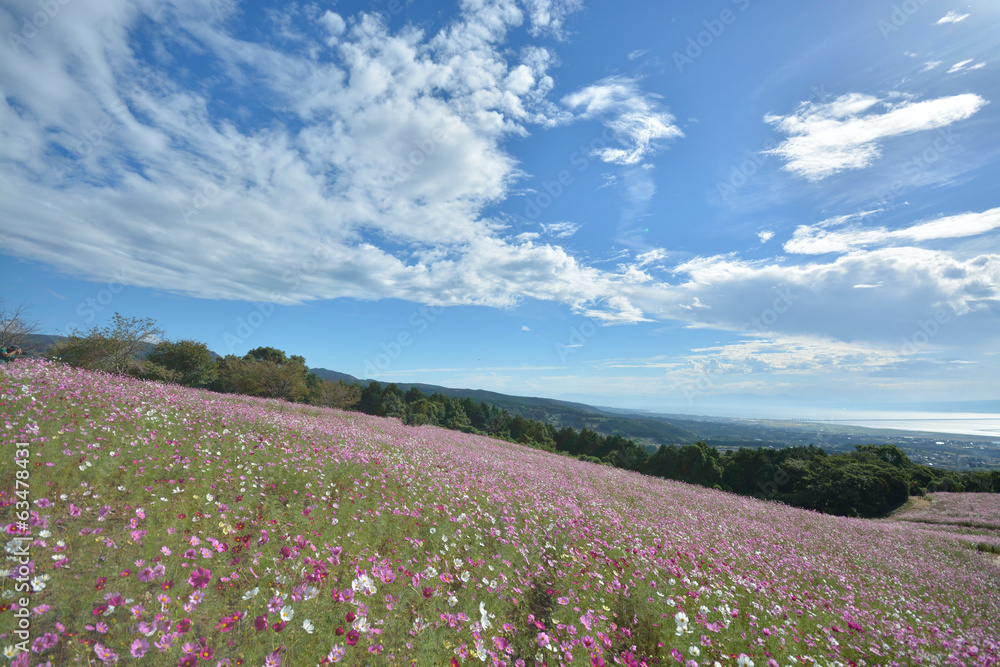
(686,207)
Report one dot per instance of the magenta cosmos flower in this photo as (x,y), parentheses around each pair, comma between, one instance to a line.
(200,577)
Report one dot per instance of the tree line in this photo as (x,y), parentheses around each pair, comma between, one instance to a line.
(868,482)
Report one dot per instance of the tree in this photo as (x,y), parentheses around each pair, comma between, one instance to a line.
(262,378)
(371,398)
(15,326)
(190,361)
(116,348)
(271,354)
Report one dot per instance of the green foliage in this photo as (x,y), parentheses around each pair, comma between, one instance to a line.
(115,348)
(188,362)
(265,372)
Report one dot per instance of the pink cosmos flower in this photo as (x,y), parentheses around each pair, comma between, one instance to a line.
(139,648)
(106,655)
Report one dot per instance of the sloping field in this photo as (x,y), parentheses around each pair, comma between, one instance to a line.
(173,526)
(971,518)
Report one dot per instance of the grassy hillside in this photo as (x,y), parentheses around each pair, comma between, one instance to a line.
(175,526)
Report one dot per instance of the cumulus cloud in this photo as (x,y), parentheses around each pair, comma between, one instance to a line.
(635,117)
(825,138)
(550,15)
(818,298)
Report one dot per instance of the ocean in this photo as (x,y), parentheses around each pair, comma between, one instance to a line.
(954,423)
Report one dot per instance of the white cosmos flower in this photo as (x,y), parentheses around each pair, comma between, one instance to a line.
(287,612)
(250,594)
(308,626)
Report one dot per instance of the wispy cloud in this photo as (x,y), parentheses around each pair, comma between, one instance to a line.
(560,230)
(826,138)
(815,239)
(636,118)
(951,17)
(964,65)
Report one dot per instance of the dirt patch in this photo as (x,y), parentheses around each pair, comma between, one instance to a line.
(913,503)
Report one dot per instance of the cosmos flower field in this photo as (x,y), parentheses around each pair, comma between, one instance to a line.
(172,526)
(973,518)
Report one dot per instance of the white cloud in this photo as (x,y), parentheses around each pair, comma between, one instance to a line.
(964,65)
(818,298)
(550,15)
(930,64)
(951,17)
(765,235)
(635,117)
(560,230)
(784,355)
(369,176)
(815,239)
(638,53)
(830,137)
(368,179)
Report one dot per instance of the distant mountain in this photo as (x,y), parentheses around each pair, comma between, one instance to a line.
(549,410)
